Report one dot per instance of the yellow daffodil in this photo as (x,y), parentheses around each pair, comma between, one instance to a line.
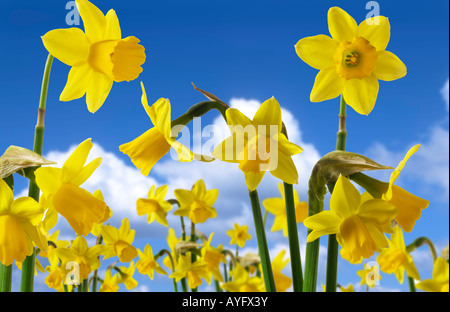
(197,204)
(357,223)
(97,56)
(125,276)
(18,226)
(239,235)
(155,206)
(243,282)
(54,278)
(277,207)
(352,61)
(80,255)
(370,275)
(172,241)
(396,259)
(110,282)
(440,276)
(192,271)
(212,257)
(349,288)
(152,145)
(258,145)
(61,188)
(97,228)
(409,206)
(56,273)
(147,264)
(118,242)
(282,281)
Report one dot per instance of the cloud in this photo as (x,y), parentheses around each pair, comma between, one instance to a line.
(445,93)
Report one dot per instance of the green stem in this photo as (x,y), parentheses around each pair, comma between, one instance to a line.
(95,278)
(294,246)
(420,242)
(193,255)
(5,277)
(262,242)
(412,285)
(28,265)
(333,246)
(225,273)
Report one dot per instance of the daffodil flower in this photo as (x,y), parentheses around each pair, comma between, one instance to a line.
(370,275)
(85,258)
(349,288)
(282,281)
(97,228)
(192,271)
(352,61)
(395,259)
(357,222)
(18,226)
(125,276)
(239,235)
(409,205)
(172,241)
(198,203)
(277,207)
(152,145)
(62,191)
(258,145)
(110,282)
(440,276)
(147,264)
(118,242)
(243,282)
(212,257)
(98,56)
(155,206)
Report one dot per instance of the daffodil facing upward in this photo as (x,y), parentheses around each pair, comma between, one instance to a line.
(239,235)
(198,203)
(352,61)
(98,56)
(357,221)
(62,191)
(118,242)
(152,145)
(370,275)
(155,206)
(192,271)
(147,264)
(259,145)
(243,282)
(18,226)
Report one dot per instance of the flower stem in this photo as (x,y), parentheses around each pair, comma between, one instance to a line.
(412,286)
(5,277)
(95,278)
(193,255)
(262,242)
(294,247)
(27,278)
(420,242)
(333,246)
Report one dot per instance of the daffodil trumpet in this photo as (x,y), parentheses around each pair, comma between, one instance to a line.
(28,265)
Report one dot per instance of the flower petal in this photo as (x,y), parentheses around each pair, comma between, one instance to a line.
(327,85)
(13,242)
(77,82)
(253,179)
(389,67)
(93,19)
(317,51)
(377,30)
(48,179)
(73,165)
(268,114)
(341,25)
(345,199)
(97,91)
(285,169)
(378,211)
(112,26)
(28,210)
(236,118)
(6,197)
(69,45)
(323,223)
(361,94)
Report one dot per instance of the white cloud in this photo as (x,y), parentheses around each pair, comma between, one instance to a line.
(445,93)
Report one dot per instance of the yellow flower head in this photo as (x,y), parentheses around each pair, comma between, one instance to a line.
(147,264)
(97,228)
(192,271)
(155,206)
(110,282)
(212,257)
(370,275)
(172,241)
(81,256)
(282,281)
(357,222)
(97,56)
(439,280)
(352,61)
(125,276)
(242,282)
(258,145)
(18,226)
(62,191)
(198,203)
(277,207)
(118,242)
(152,145)
(349,288)
(395,259)
(239,235)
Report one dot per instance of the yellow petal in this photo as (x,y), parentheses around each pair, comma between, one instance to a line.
(361,94)
(389,67)
(429,285)
(268,114)
(356,239)
(199,189)
(345,199)
(317,51)
(285,169)
(229,149)
(275,206)
(160,115)
(70,45)
(93,19)
(74,164)
(28,210)
(327,85)
(323,223)
(441,270)
(183,152)
(112,26)
(286,147)
(377,30)
(48,179)
(236,118)
(377,211)
(77,82)
(253,179)
(98,89)
(86,172)
(127,58)
(110,234)
(184,197)
(6,197)
(79,246)
(341,25)
(211,197)
(13,242)
(146,150)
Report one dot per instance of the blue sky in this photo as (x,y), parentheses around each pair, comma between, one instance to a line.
(243,52)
